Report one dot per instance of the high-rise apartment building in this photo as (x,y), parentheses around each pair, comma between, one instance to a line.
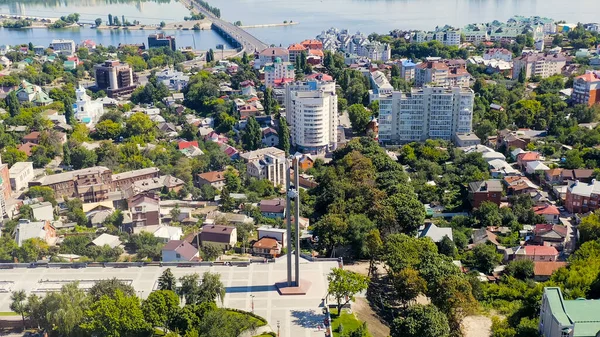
(430,112)
(114,77)
(312,114)
(539,64)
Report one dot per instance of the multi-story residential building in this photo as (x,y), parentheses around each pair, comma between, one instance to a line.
(312,114)
(407,70)
(161,40)
(279,72)
(567,318)
(123,180)
(539,64)
(488,190)
(90,184)
(586,88)
(87,111)
(476,33)
(145,210)
(114,77)
(295,51)
(63,47)
(21,174)
(267,163)
(442,73)
(449,36)
(270,54)
(312,44)
(583,197)
(174,80)
(430,112)
(374,50)
(498,54)
(547,24)
(379,84)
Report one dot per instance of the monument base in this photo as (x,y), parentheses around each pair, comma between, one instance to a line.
(301,289)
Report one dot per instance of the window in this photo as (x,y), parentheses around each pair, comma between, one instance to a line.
(178,255)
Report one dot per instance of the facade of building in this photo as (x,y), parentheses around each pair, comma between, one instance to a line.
(21,174)
(114,77)
(27,92)
(442,73)
(278,72)
(449,36)
(123,180)
(215,179)
(270,54)
(466,139)
(179,251)
(539,64)
(87,111)
(312,114)
(407,70)
(498,54)
(586,88)
(145,210)
(35,230)
(267,163)
(161,40)
(489,190)
(430,112)
(5,188)
(90,184)
(583,197)
(223,237)
(568,318)
(63,47)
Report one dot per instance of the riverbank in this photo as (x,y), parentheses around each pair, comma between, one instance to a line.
(205,24)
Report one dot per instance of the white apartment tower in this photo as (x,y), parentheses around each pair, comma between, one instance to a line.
(312,114)
(430,112)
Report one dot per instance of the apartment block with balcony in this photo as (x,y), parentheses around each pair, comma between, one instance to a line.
(442,73)
(539,64)
(278,73)
(449,36)
(114,77)
(312,113)
(582,197)
(586,88)
(430,112)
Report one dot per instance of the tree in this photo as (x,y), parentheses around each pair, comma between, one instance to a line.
(284,135)
(12,103)
(109,288)
(409,213)
(167,281)
(110,19)
(44,192)
(484,257)
(233,183)
(488,214)
(344,284)
(115,316)
(18,303)
(108,129)
(162,24)
(175,213)
(139,124)
(373,244)
(408,284)
(190,288)
(80,157)
(421,321)
(252,135)
(359,118)
(160,307)
(12,155)
(268,101)
(447,247)
(521,269)
(211,289)
(210,252)
(589,229)
(98,22)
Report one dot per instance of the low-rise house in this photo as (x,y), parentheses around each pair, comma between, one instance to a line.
(125,179)
(306,162)
(270,137)
(215,179)
(21,174)
(435,233)
(500,168)
(166,183)
(268,163)
(273,209)
(542,270)
(536,167)
(549,212)
(516,185)
(165,233)
(266,247)
(107,240)
(488,190)
(481,236)
(233,218)
(145,210)
(553,176)
(179,251)
(582,197)
(278,234)
(223,237)
(537,253)
(43,211)
(550,235)
(42,230)
(28,92)
(582,175)
(526,157)
(466,139)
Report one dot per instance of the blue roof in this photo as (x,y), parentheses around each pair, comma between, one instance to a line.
(86,120)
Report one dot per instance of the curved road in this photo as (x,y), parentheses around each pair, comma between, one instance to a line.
(249,43)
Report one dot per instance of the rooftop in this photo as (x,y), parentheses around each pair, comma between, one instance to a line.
(582,314)
(135,173)
(67,176)
(486,186)
(213,176)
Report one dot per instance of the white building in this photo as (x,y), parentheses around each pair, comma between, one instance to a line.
(269,55)
(87,111)
(539,64)
(498,54)
(449,36)
(174,80)
(43,211)
(278,72)
(312,114)
(379,84)
(430,112)
(21,174)
(64,47)
(268,163)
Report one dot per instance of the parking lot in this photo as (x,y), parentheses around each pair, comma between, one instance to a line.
(297,315)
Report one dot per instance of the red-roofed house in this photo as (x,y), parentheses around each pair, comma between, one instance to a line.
(312,44)
(526,157)
(215,179)
(549,212)
(320,77)
(267,247)
(248,111)
(184,144)
(543,270)
(33,137)
(537,253)
(550,235)
(586,88)
(27,148)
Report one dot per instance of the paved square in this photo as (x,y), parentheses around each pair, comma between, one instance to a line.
(298,316)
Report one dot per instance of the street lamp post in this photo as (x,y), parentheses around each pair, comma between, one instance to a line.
(278,326)
(252,297)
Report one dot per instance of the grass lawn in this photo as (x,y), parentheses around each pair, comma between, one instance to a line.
(264,335)
(8,313)
(348,321)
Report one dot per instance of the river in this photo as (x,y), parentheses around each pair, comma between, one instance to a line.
(366,16)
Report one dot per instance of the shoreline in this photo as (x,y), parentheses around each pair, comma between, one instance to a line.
(269,25)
